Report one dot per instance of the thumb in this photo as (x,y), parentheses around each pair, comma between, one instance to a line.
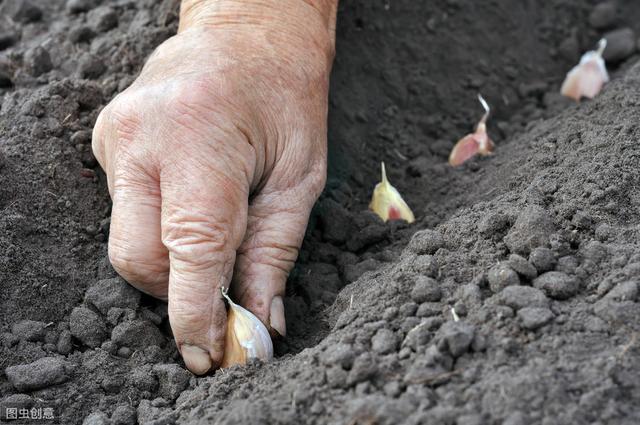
(203,223)
(276,225)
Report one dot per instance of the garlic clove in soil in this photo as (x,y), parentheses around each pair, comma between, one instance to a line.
(588,77)
(246,337)
(387,202)
(477,143)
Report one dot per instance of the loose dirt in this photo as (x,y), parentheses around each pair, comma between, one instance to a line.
(535,249)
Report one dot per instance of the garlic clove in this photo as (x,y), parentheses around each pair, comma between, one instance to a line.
(246,337)
(387,202)
(588,77)
(477,143)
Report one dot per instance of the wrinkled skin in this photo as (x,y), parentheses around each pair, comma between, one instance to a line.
(214,158)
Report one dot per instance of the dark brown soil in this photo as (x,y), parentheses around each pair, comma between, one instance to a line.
(536,248)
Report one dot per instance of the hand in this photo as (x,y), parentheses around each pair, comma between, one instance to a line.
(214,158)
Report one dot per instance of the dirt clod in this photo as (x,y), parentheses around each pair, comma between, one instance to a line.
(534,317)
(87,326)
(557,285)
(523,296)
(502,275)
(29,330)
(42,373)
(114,292)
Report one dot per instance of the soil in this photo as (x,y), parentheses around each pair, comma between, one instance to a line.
(511,300)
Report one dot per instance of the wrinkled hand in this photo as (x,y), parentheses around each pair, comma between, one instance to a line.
(214,158)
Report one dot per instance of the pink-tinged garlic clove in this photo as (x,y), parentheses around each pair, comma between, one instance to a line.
(477,143)
(588,77)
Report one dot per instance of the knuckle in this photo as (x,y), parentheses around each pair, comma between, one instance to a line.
(121,118)
(269,252)
(192,311)
(195,239)
(316,179)
(135,266)
(195,102)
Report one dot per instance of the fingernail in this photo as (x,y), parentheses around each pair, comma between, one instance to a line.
(276,316)
(197,360)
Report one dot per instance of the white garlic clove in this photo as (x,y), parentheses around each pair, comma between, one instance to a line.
(246,337)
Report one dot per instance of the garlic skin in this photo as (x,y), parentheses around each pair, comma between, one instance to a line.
(387,202)
(477,143)
(246,337)
(588,77)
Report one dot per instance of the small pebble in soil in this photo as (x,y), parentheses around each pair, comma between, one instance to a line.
(534,317)
(557,285)
(621,44)
(42,373)
(523,267)
(425,289)
(543,259)
(87,326)
(518,297)
(502,275)
(603,16)
(29,330)
(532,228)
